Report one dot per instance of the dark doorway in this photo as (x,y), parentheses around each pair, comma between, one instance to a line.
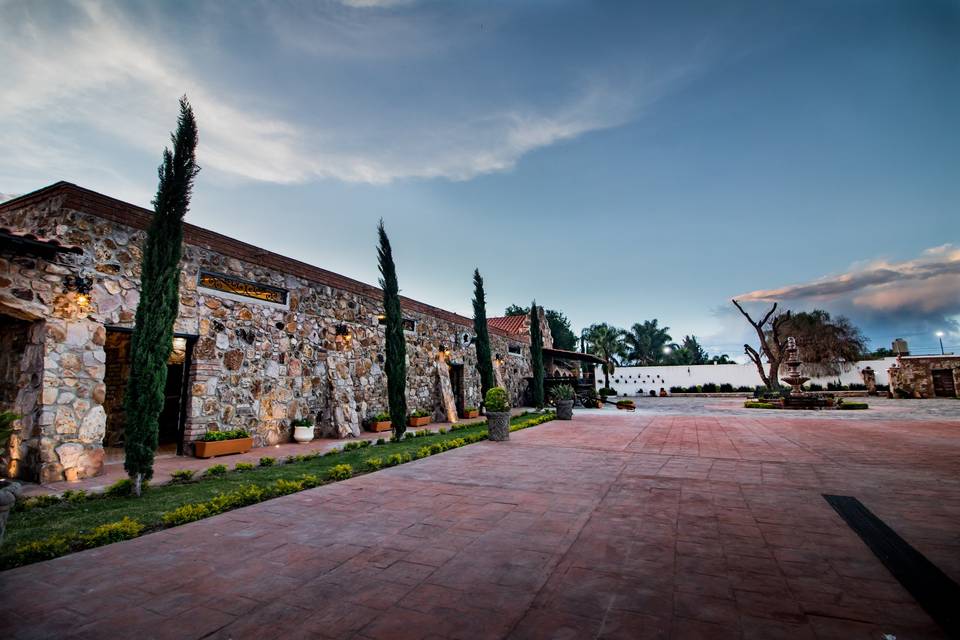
(173,417)
(14,336)
(943,385)
(456,384)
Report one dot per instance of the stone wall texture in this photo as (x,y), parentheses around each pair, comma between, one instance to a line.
(913,375)
(253,365)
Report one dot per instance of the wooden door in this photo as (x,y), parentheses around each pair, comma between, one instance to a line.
(943,385)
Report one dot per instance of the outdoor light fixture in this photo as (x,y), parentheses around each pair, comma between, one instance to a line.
(342,335)
(80,285)
(666,350)
(939,335)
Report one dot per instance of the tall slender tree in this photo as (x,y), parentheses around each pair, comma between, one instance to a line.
(605,341)
(152,339)
(484,362)
(396,346)
(536,354)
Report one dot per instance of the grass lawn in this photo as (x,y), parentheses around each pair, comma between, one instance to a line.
(67,518)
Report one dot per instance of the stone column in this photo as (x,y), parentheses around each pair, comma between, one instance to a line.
(869,380)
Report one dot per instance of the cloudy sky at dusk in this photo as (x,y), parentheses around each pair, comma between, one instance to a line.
(620,161)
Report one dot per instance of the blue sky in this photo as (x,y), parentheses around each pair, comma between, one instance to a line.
(619,161)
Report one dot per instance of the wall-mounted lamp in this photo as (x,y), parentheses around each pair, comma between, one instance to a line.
(342,336)
(499,359)
(80,285)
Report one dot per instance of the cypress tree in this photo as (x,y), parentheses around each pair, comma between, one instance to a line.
(152,339)
(484,363)
(396,364)
(536,355)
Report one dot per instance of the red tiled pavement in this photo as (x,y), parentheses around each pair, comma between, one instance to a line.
(612,526)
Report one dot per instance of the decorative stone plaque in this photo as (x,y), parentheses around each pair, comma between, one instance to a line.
(239,287)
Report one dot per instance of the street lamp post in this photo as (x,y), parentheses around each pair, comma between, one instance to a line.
(940,337)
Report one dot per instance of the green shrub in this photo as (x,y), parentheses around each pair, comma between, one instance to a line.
(38,550)
(423,452)
(852,406)
(383,416)
(216,470)
(469,409)
(421,413)
(372,464)
(332,452)
(74,497)
(497,400)
(562,392)
(309,481)
(36,502)
(267,461)
(760,405)
(125,529)
(243,466)
(441,430)
(607,391)
(233,434)
(186,513)
(182,475)
(302,422)
(436,448)
(726,387)
(120,488)
(282,486)
(381,441)
(340,472)
(393,460)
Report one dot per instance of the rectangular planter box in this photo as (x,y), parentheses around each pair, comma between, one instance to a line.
(419,422)
(471,414)
(377,427)
(222,447)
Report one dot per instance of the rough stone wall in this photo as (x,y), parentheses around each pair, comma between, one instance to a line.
(255,365)
(914,375)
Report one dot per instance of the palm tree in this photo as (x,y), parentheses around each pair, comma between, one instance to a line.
(607,342)
(646,343)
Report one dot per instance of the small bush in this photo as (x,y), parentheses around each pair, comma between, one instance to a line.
(186,513)
(302,422)
(309,481)
(332,452)
(120,488)
(852,406)
(38,550)
(393,460)
(74,497)
(710,387)
(372,464)
(36,502)
(421,413)
(243,466)
(726,387)
(283,487)
(497,400)
(182,475)
(233,434)
(340,472)
(441,430)
(562,392)
(383,416)
(607,391)
(760,405)
(381,441)
(216,470)
(423,452)
(125,529)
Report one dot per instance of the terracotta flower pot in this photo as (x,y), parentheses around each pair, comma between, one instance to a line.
(418,422)
(222,447)
(471,414)
(377,427)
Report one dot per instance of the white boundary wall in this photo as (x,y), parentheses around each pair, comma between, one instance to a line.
(633,379)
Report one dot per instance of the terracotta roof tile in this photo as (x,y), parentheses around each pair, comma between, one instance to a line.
(513,325)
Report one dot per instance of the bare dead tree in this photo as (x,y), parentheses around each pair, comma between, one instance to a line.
(772,344)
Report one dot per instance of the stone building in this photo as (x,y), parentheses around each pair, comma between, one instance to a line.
(926,376)
(260,339)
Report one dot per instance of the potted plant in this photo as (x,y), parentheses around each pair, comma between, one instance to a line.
(471,412)
(563,397)
(303,430)
(419,418)
(498,414)
(626,405)
(222,443)
(379,422)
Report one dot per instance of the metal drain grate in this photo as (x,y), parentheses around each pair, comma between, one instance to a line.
(931,588)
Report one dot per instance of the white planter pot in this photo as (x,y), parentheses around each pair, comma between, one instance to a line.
(303,434)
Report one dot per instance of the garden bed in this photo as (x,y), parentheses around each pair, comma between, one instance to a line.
(51,526)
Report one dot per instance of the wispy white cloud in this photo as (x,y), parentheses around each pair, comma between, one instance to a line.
(101,73)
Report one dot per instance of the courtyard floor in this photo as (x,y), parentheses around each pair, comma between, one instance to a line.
(616,525)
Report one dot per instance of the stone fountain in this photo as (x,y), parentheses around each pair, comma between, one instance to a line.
(798,398)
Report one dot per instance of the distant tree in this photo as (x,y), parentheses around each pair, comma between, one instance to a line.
(152,339)
(721,359)
(396,347)
(688,352)
(879,354)
(484,361)
(827,345)
(563,335)
(536,355)
(605,341)
(772,344)
(646,342)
